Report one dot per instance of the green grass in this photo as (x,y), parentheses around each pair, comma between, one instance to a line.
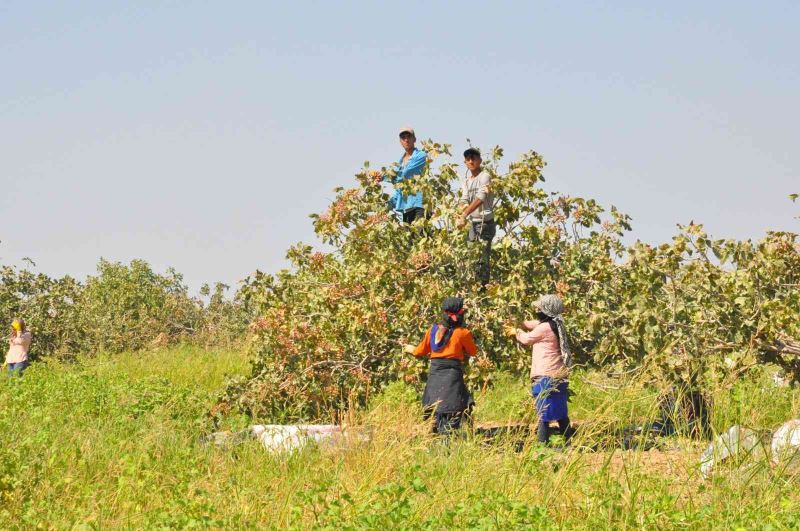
(113,442)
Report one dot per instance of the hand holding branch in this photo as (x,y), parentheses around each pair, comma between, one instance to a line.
(509,330)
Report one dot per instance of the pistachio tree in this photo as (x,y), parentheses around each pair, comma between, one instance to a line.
(329,329)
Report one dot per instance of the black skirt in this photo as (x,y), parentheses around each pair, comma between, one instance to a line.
(445,391)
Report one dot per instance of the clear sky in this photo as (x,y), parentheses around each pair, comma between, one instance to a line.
(201,135)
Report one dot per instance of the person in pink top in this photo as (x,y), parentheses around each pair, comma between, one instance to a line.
(551,360)
(18,346)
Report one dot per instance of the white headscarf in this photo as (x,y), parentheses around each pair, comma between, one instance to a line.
(552,307)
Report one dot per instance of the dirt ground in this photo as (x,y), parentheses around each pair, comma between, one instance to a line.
(671,458)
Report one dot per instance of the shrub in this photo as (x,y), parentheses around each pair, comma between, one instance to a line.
(127,307)
(48,307)
(123,307)
(328,331)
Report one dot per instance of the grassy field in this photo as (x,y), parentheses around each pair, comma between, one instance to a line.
(113,442)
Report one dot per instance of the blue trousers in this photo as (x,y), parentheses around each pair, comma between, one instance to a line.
(16,369)
(551,396)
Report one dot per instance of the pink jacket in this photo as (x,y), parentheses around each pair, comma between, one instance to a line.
(18,348)
(546,357)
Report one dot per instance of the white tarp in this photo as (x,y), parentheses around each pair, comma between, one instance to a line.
(281,437)
(289,437)
(737,441)
(786,444)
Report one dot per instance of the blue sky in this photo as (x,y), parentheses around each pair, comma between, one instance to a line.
(201,135)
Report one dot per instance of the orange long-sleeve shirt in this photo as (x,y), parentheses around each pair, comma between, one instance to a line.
(460,346)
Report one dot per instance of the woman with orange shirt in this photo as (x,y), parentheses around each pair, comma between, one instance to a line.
(448,344)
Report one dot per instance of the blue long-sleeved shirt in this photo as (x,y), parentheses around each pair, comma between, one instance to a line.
(412,168)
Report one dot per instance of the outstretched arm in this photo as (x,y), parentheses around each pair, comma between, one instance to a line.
(421,350)
(470,349)
(529,338)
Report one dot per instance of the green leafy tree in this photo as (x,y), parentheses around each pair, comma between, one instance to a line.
(328,331)
(48,307)
(123,307)
(129,307)
(224,321)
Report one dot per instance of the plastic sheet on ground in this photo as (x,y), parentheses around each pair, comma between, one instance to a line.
(282,437)
(786,445)
(737,442)
(289,437)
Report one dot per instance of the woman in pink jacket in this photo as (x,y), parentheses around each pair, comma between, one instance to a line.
(551,360)
(18,346)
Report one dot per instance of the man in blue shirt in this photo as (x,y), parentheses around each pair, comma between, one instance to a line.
(410,165)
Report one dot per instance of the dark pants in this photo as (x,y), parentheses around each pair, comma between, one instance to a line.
(447,423)
(543,431)
(483,231)
(413,214)
(446,396)
(16,369)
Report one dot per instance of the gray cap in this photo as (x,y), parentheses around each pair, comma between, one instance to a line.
(550,305)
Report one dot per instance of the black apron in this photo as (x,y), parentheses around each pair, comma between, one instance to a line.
(445,391)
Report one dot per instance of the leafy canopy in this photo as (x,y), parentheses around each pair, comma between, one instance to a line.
(329,330)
